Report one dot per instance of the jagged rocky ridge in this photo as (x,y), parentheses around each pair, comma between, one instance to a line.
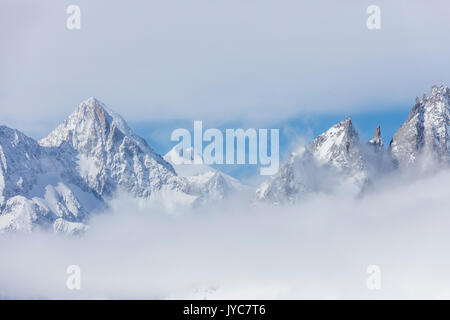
(61,180)
(339,158)
(109,155)
(424,139)
(40,187)
(90,157)
(335,159)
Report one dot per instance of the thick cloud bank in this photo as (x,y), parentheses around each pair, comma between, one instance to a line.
(257,61)
(320,248)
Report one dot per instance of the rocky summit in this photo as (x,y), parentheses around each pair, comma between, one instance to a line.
(58,182)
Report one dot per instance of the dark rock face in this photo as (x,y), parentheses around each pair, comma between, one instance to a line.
(377,141)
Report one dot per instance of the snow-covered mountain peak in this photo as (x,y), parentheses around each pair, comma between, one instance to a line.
(337,146)
(437,101)
(96,110)
(333,156)
(425,135)
(15,138)
(93,123)
(343,131)
(89,121)
(440,91)
(109,154)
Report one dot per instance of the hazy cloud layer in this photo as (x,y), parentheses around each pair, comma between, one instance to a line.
(318,249)
(219,60)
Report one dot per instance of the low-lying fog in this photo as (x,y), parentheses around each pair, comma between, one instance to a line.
(320,248)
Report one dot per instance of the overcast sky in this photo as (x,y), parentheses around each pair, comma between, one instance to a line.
(260,61)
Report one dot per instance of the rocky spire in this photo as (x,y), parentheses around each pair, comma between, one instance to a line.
(377,140)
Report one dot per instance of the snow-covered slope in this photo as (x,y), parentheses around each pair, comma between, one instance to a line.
(61,180)
(38,187)
(19,165)
(424,138)
(334,159)
(339,148)
(110,156)
(210,184)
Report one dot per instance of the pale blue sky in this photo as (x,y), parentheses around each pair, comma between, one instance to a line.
(305,127)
